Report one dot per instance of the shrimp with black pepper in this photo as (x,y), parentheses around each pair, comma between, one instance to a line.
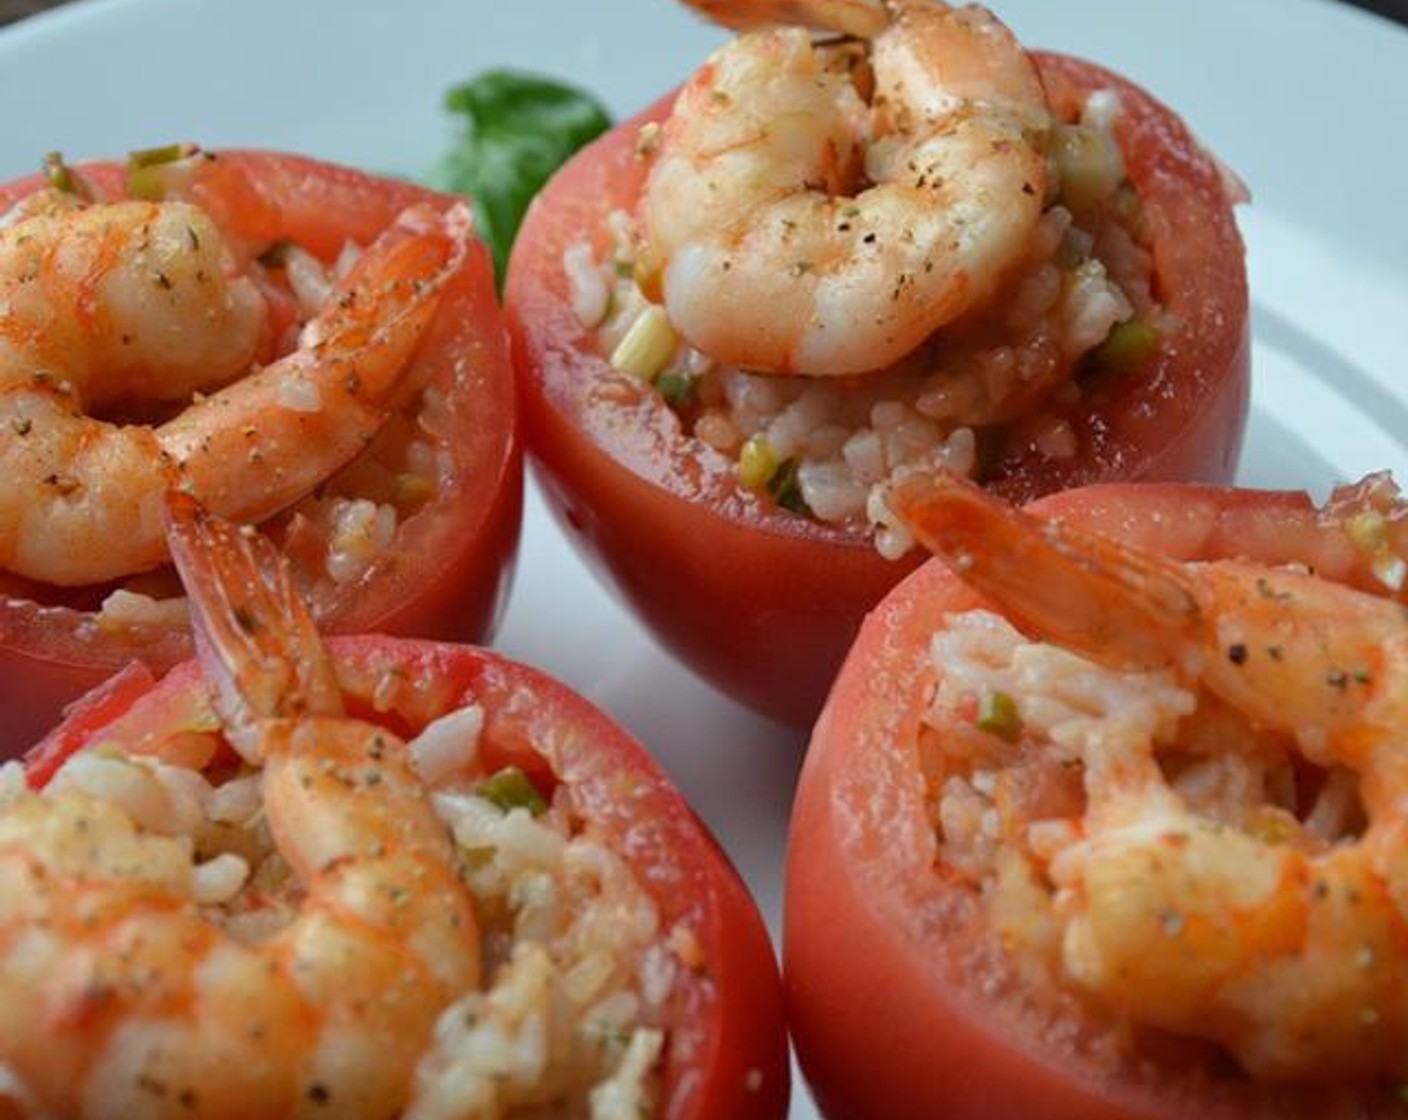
(819,210)
(1231,863)
(108,309)
(109,937)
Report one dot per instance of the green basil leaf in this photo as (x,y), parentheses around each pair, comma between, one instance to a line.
(515,130)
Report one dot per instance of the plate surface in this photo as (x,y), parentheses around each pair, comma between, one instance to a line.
(1303,98)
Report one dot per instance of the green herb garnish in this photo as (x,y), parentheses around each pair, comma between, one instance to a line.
(511,788)
(62,177)
(516,130)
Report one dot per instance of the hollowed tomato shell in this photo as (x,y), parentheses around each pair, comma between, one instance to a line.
(764,604)
(895,1004)
(726,1055)
(448,572)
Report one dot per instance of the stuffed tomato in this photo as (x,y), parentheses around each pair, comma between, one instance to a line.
(302,346)
(373,876)
(1099,829)
(742,315)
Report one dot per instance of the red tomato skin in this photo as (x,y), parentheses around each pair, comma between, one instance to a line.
(728,1053)
(450,578)
(763,604)
(870,951)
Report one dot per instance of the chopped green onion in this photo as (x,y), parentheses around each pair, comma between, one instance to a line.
(997,715)
(678,389)
(146,183)
(1089,164)
(481,855)
(62,177)
(786,490)
(511,788)
(757,462)
(155,157)
(647,346)
(1128,346)
(145,169)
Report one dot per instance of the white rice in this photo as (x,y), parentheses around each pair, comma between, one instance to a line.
(358,532)
(447,745)
(849,438)
(312,285)
(587,283)
(218,880)
(578,974)
(123,609)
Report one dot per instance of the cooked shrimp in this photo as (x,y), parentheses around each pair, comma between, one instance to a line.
(131,301)
(861,18)
(159,1011)
(770,250)
(128,299)
(1283,939)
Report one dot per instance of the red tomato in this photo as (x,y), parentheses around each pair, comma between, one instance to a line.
(760,602)
(900,1003)
(727,1049)
(447,572)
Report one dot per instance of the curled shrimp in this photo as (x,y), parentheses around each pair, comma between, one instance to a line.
(1283,939)
(794,226)
(129,302)
(162,1012)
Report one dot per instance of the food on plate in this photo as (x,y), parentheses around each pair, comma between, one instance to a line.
(829,261)
(377,877)
(1104,815)
(299,345)
(515,130)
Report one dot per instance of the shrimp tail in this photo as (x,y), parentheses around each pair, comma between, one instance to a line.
(258,643)
(1117,606)
(862,19)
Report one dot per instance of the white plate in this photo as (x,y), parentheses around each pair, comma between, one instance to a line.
(1304,98)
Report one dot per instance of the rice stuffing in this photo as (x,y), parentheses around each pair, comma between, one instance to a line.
(571,1020)
(829,448)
